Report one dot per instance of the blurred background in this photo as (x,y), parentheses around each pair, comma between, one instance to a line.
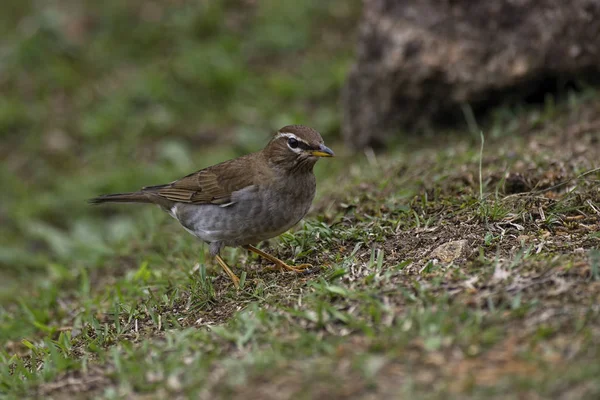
(108,96)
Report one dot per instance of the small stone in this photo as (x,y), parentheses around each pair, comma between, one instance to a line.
(449,251)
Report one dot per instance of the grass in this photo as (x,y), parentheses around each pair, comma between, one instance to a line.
(442,268)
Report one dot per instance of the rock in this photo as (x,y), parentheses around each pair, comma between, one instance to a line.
(418,61)
(450,251)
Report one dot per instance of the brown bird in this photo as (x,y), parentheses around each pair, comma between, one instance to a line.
(243,201)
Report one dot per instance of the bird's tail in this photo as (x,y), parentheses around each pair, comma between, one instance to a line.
(133,197)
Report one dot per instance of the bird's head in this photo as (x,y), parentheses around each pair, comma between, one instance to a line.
(296,147)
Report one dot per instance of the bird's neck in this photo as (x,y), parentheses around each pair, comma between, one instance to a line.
(294,167)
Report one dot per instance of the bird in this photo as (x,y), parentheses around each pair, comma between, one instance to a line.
(245,200)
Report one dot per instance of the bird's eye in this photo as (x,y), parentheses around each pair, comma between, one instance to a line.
(293,143)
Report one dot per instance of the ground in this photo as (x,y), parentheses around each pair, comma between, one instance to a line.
(460,265)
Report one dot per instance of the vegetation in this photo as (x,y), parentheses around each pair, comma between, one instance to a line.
(441,268)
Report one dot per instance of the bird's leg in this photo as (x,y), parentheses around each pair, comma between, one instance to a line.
(228,271)
(280,265)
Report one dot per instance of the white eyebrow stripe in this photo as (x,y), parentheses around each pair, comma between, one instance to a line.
(289,135)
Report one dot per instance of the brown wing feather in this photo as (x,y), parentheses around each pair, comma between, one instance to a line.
(213,185)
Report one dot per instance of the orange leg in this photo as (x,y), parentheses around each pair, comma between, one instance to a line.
(228,271)
(280,265)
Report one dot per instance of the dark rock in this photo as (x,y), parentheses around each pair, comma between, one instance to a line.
(419,61)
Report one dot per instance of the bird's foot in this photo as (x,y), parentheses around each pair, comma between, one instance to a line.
(228,271)
(278,265)
(284,267)
(235,280)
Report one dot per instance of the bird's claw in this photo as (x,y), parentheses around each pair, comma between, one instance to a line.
(284,267)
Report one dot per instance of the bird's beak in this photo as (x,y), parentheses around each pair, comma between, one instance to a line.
(323,151)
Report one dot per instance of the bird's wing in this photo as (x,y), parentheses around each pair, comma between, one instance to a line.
(212,185)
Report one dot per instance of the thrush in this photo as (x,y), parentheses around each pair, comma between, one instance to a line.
(243,201)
